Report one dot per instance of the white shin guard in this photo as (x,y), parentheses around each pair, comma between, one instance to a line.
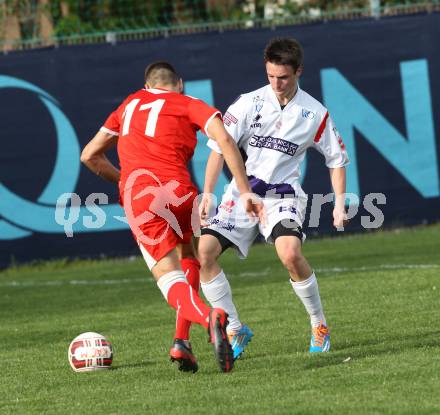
(218,293)
(308,293)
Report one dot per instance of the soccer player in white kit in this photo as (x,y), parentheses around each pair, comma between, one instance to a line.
(274,125)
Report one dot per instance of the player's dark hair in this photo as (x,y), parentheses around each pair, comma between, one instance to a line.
(284,51)
(162,73)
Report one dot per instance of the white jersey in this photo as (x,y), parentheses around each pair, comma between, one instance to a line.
(276,140)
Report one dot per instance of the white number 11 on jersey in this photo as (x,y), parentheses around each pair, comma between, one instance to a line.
(153,115)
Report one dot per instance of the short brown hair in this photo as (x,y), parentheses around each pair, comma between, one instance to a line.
(284,51)
(162,73)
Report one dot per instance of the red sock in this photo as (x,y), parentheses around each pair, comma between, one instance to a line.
(185,299)
(191,269)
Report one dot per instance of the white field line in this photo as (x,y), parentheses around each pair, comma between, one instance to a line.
(58,283)
(337,270)
(263,273)
(380,267)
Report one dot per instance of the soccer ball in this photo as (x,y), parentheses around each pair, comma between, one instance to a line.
(90,351)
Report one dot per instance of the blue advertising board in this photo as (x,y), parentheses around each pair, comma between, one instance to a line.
(376,77)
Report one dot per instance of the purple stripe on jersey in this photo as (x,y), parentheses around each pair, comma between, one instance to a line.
(261,188)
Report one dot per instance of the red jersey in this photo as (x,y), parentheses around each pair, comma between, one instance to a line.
(157,132)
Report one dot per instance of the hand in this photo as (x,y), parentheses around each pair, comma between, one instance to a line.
(205,207)
(254,207)
(339,218)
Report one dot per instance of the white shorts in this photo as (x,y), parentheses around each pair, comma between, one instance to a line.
(234,224)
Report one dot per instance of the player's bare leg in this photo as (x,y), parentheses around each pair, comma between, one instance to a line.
(209,250)
(217,291)
(290,253)
(182,297)
(305,286)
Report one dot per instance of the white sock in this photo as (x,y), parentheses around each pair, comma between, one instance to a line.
(308,293)
(166,281)
(218,293)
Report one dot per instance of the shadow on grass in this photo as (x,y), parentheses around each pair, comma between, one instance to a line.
(356,350)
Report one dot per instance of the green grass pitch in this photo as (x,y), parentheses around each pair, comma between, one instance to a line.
(381,297)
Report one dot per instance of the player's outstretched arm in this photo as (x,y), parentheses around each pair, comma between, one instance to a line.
(93,156)
(230,152)
(338,179)
(214,166)
(232,156)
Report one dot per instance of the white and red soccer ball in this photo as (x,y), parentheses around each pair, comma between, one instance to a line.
(90,351)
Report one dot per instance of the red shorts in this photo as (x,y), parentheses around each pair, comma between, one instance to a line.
(161,217)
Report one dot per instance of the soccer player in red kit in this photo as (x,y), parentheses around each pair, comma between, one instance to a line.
(155,133)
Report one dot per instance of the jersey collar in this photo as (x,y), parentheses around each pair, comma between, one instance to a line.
(291,102)
(157,91)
